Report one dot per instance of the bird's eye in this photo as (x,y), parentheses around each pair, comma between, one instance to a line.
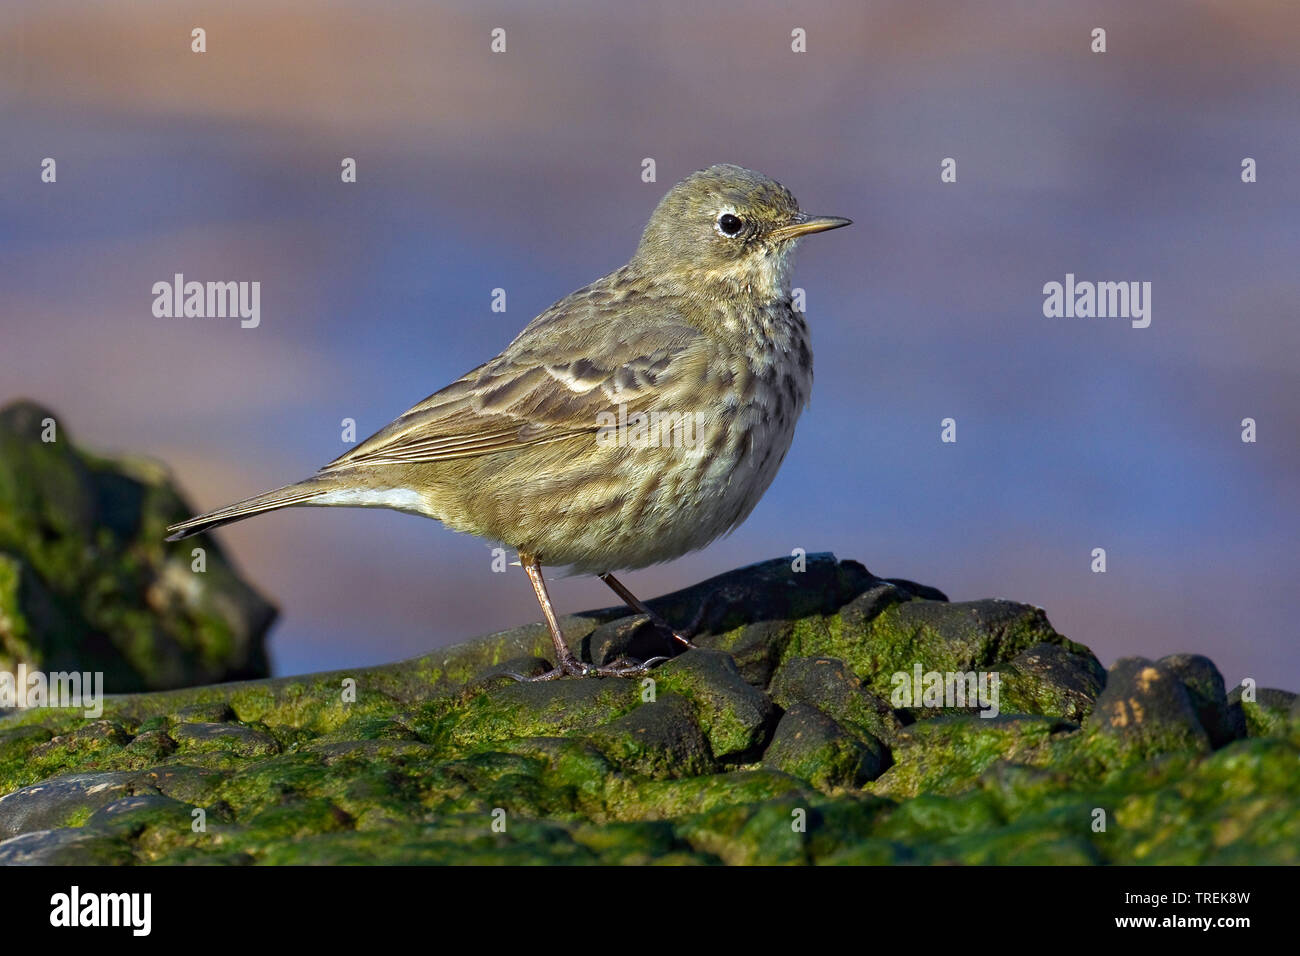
(728,224)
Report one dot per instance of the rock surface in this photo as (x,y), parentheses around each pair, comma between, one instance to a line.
(780,740)
(87,582)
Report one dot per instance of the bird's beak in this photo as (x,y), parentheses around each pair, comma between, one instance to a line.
(807,225)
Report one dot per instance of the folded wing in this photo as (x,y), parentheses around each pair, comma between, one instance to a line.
(551,383)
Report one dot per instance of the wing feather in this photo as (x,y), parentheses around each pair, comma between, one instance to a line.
(578,359)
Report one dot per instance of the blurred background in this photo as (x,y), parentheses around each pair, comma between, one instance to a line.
(522,171)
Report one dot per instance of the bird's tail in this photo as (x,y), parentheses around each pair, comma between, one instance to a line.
(301,493)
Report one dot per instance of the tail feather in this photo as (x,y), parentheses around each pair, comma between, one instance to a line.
(289,495)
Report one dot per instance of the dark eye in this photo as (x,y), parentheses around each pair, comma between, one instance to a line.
(728,224)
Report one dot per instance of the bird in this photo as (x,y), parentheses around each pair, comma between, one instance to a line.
(635,420)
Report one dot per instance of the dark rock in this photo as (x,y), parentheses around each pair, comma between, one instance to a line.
(1266,715)
(735,716)
(91,737)
(1050,679)
(877,597)
(1222,721)
(65,847)
(544,709)
(232,738)
(509,671)
(181,782)
(152,745)
(140,805)
(825,683)
(659,739)
(633,638)
(756,648)
(923,591)
(88,582)
(60,801)
(766,591)
(750,613)
(810,745)
(1145,710)
(209,712)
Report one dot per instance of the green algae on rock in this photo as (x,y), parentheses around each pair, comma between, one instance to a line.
(774,742)
(87,582)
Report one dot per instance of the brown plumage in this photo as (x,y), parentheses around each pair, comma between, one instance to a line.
(542,448)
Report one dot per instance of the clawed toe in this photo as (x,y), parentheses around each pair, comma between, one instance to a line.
(576,668)
(524,679)
(629,669)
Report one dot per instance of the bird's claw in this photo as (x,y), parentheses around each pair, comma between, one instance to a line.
(576,668)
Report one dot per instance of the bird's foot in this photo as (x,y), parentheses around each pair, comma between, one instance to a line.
(572,667)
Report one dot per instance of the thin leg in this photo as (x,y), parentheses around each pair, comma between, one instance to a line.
(565,661)
(638,605)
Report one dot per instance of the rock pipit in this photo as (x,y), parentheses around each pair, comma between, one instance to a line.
(633,421)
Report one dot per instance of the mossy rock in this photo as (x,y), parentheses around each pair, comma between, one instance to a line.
(1266,711)
(87,582)
(774,742)
(810,745)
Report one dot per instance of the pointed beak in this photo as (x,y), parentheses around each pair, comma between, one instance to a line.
(807,225)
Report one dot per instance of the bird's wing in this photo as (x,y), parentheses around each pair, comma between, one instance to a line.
(573,362)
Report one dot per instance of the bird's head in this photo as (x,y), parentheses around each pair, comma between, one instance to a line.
(729,225)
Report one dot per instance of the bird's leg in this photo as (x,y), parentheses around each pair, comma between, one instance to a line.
(565,661)
(638,605)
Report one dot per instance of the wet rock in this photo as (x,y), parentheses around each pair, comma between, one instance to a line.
(60,801)
(66,847)
(128,809)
